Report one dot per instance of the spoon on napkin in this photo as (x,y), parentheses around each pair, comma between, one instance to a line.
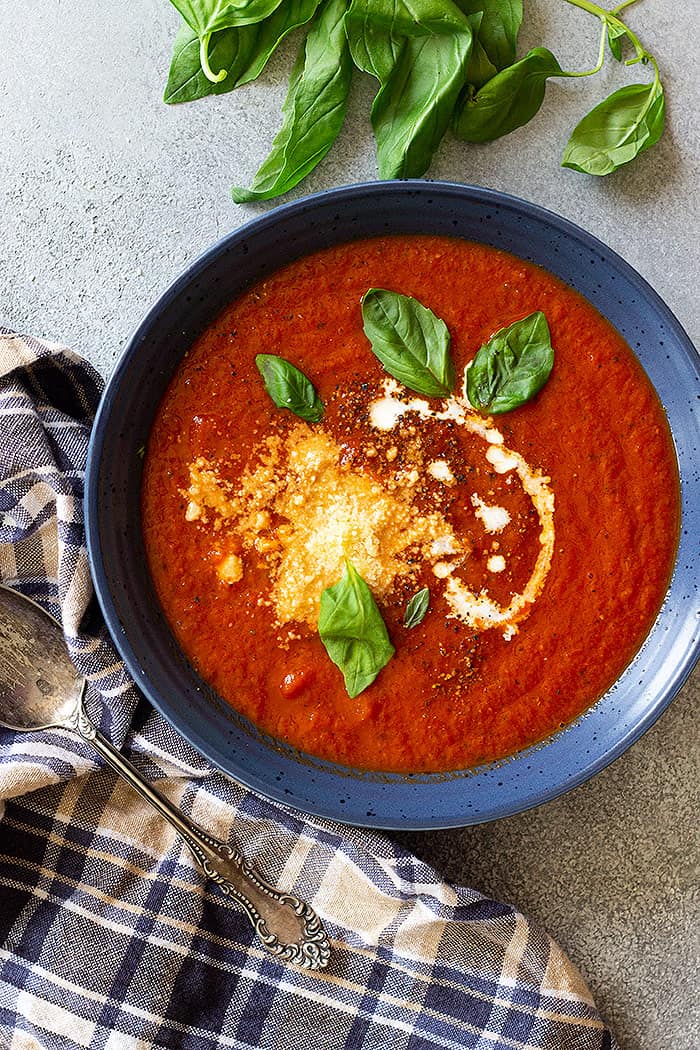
(41,689)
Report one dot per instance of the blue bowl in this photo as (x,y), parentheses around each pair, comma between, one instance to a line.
(118,558)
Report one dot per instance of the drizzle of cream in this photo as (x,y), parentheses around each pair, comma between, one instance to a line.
(502,462)
(479,610)
(494,519)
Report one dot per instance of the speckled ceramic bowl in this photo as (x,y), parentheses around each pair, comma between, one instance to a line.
(114,525)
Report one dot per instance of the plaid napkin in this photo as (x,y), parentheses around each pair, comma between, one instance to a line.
(109,936)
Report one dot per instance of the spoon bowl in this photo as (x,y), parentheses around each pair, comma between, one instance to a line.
(41,689)
(39,686)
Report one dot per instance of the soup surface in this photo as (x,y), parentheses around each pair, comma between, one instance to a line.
(545,535)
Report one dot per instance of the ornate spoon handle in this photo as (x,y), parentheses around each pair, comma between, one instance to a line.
(288,927)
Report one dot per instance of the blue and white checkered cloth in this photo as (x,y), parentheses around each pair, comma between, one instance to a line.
(109,936)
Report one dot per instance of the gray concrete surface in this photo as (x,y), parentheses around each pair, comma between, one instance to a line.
(106,194)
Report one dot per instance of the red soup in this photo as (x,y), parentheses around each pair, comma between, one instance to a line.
(545,535)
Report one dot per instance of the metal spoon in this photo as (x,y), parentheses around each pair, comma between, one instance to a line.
(40,689)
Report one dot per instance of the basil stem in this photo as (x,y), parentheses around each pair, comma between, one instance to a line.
(512,366)
(289,387)
(353,631)
(417,608)
(410,341)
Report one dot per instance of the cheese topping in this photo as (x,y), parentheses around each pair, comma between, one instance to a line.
(306,514)
(300,510)
(440,470)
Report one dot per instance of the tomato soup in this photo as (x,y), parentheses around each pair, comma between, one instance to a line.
(545,535)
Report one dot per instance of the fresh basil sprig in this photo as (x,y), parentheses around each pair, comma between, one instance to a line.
(438,63)
(289,387)
(410,341)
(353,631)
(313,111)
(417,608)
(512,366)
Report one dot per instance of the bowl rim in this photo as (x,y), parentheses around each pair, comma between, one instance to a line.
(343,194)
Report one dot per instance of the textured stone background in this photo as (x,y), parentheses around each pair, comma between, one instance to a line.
(106,195)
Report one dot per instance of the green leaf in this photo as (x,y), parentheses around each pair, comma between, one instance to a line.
(373,50)
(512,367)
(417,608)
(410,341)
(289,387)
(619,128)
(207,16)
(510,99)
(498,32)
(616,33)
(420,78)
(353,632)
(313,111)
(480,68)
(242,51)
(413,107)
(407,17)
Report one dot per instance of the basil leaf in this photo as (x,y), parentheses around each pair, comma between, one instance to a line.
(480,68)
(289,387)
(374,51)
(206,16)
(507,101)
(616,33)
(414,105)
(243,51)
(498,32)
(417,608)
(353,632)
(410,341)
(420,78)
(313,111)
(408,17)
(512,367)
(620,128)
